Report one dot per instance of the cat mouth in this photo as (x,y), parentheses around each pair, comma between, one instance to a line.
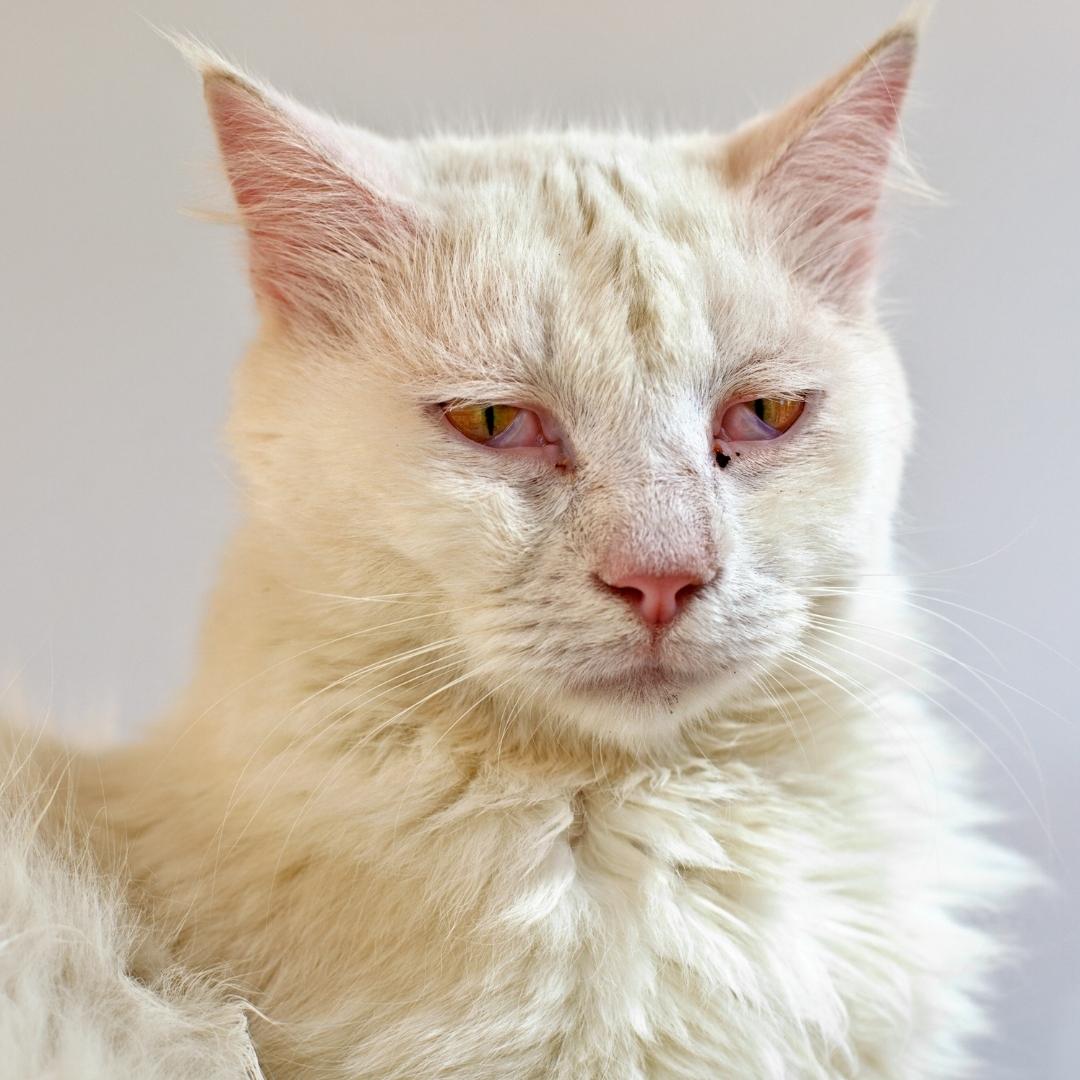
(642,680)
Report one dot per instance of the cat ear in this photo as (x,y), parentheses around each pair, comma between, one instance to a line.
(310,192)
(817,167)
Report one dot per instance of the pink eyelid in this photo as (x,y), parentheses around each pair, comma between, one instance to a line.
(525,430)
(740,424)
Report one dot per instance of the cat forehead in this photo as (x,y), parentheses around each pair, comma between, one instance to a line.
(586,255)
(625,177)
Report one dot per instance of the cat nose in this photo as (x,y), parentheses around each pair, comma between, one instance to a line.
(655,598)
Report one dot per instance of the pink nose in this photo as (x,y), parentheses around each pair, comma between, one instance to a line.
(657,598)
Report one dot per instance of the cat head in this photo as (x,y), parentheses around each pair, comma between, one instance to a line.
(618,407)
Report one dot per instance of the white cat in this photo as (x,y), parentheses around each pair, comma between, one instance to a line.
(545,724)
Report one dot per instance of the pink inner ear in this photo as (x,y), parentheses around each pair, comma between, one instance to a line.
(828,183)
(309,219)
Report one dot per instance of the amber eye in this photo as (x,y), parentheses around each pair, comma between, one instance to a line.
(778,413)
(483,423)
(761,419)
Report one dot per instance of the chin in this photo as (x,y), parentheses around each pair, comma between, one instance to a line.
(639,709)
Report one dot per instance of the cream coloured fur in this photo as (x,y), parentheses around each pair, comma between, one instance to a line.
(416,805)
(85,993)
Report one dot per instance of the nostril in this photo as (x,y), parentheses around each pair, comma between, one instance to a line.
(686,592)
(627,592)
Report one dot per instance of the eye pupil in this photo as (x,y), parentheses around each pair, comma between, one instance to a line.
(759,408)
(482,423)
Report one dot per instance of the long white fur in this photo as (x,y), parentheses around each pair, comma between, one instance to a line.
(84,992)
(389,809)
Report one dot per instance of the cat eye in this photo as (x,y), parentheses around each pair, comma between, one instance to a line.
(760,419)
(497,426)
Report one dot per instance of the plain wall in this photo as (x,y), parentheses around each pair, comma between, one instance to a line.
(121,319)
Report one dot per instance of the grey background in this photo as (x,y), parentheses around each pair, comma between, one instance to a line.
(121,319)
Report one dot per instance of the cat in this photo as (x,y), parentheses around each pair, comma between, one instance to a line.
(538,729)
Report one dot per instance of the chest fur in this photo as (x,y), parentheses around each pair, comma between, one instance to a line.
(694,925)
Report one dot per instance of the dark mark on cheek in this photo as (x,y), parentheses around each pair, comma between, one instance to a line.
(722,459)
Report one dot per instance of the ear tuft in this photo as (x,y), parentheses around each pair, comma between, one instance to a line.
(818,166)
(201,57)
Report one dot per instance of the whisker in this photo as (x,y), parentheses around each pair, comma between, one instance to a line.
(377,598)
(951,714)
(783,713)
(307,739)
(278,664)
(869,700)
(395,682)
(346,757)
(1033,638)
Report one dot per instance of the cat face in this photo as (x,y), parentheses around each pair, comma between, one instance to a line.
(618,407)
